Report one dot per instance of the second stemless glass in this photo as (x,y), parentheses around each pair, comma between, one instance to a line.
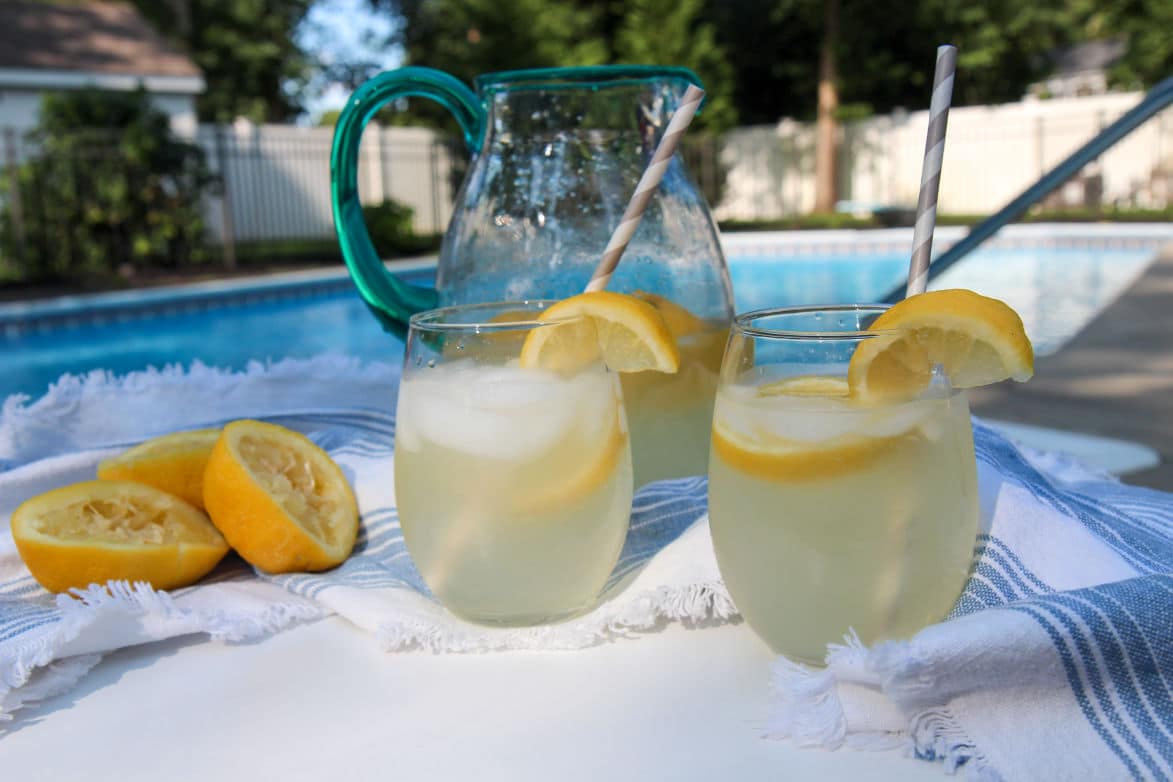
(829,513)
(514,485)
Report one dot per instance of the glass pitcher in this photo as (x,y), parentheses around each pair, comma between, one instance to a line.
(556,155)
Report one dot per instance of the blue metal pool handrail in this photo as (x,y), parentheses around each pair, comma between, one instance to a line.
(1158,98)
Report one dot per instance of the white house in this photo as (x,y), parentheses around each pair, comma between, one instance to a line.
(1081,69)
(57,46)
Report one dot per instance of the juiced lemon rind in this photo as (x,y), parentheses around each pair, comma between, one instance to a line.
(98,531)
(172,462)
(281,502)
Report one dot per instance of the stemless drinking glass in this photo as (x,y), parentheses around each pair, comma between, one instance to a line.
(514,484)
(829,513)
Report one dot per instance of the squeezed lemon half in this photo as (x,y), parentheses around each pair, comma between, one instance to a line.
(173,462)
(97,531)
(279,499)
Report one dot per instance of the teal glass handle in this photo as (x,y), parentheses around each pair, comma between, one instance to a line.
(392,300)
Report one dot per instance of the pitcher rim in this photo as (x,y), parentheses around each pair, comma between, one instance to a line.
(569,75)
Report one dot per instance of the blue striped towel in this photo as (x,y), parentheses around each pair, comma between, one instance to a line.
(666,570)
(1056,663)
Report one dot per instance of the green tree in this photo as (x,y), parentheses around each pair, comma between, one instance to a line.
(246,49)
(772,48)
(854,57)
(1003,46)
(673,32)
(1147,29)
(109,185)
(471,37)
(884,58)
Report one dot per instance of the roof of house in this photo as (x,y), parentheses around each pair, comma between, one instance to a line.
(1090,56)
(109,38)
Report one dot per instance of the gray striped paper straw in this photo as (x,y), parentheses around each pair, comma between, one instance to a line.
(646,188)
(930,177)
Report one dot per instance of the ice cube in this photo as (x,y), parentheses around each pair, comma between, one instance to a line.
(500,412)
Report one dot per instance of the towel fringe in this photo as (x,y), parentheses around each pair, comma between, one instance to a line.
(693,604)
(68,390)
(806,707)
(44,682)
(29,673)
(936,735)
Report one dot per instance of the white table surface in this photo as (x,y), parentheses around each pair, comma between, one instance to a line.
(322,702)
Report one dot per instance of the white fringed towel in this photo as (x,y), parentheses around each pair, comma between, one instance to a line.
(666,571)
(1057,662)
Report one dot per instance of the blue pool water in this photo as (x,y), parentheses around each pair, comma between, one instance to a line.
(1057,291)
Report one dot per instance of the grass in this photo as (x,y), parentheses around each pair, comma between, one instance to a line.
(897,217)
(322,251)
(801,223)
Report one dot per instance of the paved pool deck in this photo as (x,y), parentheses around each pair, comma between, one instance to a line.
(1114,379)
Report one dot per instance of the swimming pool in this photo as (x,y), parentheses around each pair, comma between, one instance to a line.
(1056,279)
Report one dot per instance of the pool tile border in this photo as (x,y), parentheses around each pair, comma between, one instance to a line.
(20,319)
(1136,236)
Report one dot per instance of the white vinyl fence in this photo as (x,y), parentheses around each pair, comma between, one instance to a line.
(277,177)
(992,153)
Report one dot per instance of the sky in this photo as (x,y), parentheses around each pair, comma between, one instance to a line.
(344,31)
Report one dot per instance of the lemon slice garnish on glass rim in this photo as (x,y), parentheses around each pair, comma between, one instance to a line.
(628,334)
(976,340)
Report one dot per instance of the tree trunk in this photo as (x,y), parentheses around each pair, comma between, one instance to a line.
(826,153)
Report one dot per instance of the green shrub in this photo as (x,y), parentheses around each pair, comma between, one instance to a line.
(390,226)
(108,185)
(833,220)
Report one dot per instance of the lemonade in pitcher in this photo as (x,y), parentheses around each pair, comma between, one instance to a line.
(670,415)
(557,155)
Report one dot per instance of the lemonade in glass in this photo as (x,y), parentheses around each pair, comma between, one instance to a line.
(832,510)
(513,483)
